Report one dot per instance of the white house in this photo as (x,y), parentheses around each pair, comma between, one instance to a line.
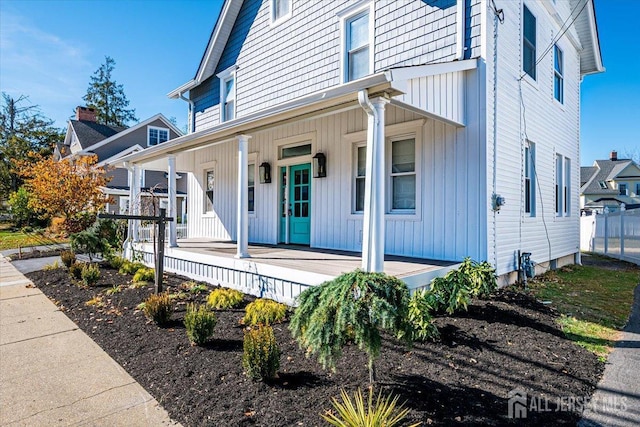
(424,129)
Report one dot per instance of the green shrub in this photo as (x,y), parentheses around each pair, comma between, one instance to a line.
(131,268)
(384,412)
(87,242)
(353,307)
(224,298)
(481,277)
(264,312)
(193,287)
(75,270)
(68,258)
(115,261)
(261,356)
(144,274)
(158,307)
(90,274)
(53,266)
(420,317)
(199,322)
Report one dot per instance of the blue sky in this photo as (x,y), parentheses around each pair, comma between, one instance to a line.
(50,48)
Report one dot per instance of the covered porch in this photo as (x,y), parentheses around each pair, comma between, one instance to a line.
(281,272)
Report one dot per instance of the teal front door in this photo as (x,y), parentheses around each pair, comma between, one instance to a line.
(295,197)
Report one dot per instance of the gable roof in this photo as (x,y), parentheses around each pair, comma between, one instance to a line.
(586,173)
(603,171)
(587,29)
(90,133)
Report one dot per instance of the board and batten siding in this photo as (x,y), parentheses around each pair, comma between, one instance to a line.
(278,63)
(538,117)
(449,224)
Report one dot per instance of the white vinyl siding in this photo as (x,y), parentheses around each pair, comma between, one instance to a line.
(558,76)
(529,43)
(156,135)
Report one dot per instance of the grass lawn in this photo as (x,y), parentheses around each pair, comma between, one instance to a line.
(11,238)
(594,299)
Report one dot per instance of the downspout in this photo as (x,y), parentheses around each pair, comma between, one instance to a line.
(192,117)
(460,29)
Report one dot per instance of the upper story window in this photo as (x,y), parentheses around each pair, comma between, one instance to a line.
(280,10)
(357,44)
(529,179)
(156,135)
(558,76)
(529,43)
(623,189)
(228,94)
(602,185)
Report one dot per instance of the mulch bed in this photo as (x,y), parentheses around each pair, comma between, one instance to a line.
(505,343)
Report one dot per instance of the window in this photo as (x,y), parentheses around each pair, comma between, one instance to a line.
(559,186)
(280,10)
(361,169)
(251,172)
(403,174)
(156,135)
(209,180)
(356,46)
(529,179)
(558,78)
(228,94)
(623,189)
(638,190)
(529,43)
(602,185)
(567,186)
(295,151)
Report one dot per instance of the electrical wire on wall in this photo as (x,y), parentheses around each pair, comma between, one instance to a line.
(523,118)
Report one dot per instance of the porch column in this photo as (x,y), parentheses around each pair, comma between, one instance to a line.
(242,229)
(172,195)
(374,195)
(128,243)
(134,200)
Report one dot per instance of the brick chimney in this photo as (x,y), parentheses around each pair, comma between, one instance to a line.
(614,155)
(86,114)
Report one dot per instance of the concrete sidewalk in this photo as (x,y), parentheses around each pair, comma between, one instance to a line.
(52,373)
(616,401)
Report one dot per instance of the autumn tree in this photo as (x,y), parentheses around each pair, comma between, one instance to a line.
(108,98)
(23,130)
(70,189)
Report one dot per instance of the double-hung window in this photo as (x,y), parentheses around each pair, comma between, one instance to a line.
(558,76)
(251,172)
(622,188)
(280,10)
(357,60)
(567,186)
(529,179)
(156,135)
(403,174)
(209,181)
(361,168)
(529,43)
(227,94)
(559,186)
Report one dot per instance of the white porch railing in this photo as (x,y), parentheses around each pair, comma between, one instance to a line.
(145,234)
(615,234)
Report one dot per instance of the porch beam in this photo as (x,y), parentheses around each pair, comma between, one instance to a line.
(373,232)
(172,195)
(242,229)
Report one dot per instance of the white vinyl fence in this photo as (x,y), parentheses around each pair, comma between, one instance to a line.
(615,234)
(145,234)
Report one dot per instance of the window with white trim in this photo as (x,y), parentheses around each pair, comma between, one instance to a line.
(637,189)
(403,174)
(529,179)
(529,43)
(559,186)
(622,188)
(558,76)
(357,45)
(209,185)
(280,10)
(156,135)
(602,185)
(227,94)
(567,186)
(251,178)
(360,169)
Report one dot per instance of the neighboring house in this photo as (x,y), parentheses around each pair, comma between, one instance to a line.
(609,184)
(431,129)
(109,143)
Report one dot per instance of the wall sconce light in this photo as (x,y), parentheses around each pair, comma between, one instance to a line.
(265,173)
(319,166)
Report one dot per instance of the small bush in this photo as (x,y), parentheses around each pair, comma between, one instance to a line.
(384,412)
(115,262)
(158,308)
(115,289)
(90,274)
(224,298)
(261,356)
(199,322)
(264,312)
(68,258)
(144,274)
(131,268)
(53,266)
(420,317)
(193,287)
(75,270)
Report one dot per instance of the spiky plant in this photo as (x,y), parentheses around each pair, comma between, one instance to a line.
(355,307)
